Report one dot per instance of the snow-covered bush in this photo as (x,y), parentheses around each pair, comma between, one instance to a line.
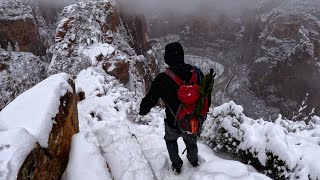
(282,149)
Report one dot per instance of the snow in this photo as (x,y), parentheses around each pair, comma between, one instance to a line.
(220,169)
(90,82)
(205,64)
(15,145)
(35,108)
(93,51)
(261,59)
(293,142)
(15,10)
(85,159)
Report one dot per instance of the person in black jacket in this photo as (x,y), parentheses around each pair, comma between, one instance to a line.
(165,88)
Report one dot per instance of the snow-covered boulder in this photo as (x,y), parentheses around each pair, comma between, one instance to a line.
(19,71)
(15,145)
(282,149)
(49,113)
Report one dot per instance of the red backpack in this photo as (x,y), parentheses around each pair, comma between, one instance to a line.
(189,94)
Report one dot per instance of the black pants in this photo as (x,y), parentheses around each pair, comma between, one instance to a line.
(171,136)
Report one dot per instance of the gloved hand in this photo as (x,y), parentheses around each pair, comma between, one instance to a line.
(141,119)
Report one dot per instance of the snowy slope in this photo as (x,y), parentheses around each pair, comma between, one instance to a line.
(138,151)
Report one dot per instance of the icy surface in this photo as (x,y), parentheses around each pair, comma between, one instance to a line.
(15,145)
(35,108)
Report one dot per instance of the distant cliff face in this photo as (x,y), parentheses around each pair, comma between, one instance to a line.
(24,36)
(285,55)
(22,28)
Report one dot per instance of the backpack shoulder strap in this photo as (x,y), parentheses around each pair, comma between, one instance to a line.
(174,77)
(194,77)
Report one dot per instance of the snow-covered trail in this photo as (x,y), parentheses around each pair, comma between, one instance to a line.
(132,150)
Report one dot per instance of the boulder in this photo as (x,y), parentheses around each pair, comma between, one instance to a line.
(120,70)
(48,114)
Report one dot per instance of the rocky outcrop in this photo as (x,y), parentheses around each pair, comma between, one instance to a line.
(137,28)
(98,34)
(22,28)
(51,162)
(120,70)
(19,71)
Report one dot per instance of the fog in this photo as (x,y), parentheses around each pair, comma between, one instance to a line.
(187,6)
(164,6)
(149,7)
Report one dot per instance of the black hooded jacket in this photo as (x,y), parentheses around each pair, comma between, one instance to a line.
(165,88)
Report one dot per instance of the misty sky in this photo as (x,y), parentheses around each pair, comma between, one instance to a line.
(186,6)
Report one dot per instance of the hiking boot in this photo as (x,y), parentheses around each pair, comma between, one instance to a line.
(176,170)
(194,164)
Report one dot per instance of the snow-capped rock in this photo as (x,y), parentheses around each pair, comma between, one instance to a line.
(48,111)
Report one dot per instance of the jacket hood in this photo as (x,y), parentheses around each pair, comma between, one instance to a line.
(174,54)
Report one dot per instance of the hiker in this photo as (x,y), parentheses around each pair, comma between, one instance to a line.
(166,88)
